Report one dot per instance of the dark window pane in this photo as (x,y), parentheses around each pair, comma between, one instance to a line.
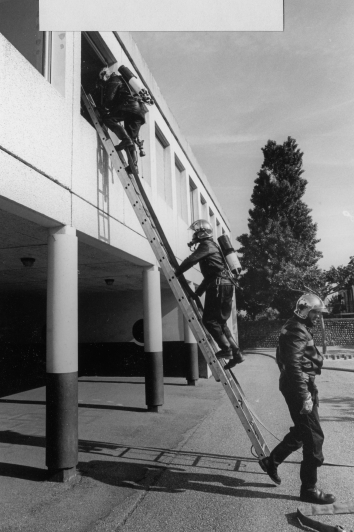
(19,23)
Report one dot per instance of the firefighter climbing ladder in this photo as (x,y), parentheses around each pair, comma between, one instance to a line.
(192,310)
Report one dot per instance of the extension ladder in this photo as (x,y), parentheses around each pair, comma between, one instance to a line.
(191,309)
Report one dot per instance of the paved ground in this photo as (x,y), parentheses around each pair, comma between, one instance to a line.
(189,467)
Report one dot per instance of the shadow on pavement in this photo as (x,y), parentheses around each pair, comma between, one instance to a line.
(23,472)
(80,405)
(345,406)
(9,436)
(136,452)
(22,402)
(169,479)
(134,382)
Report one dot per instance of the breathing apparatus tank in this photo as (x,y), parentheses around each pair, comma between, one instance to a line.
(135,84)
(229,254)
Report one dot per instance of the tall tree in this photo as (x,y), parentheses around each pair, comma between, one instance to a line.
(281,230)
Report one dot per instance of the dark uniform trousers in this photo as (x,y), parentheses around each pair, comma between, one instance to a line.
(132,124)
(217,308)
(306,433)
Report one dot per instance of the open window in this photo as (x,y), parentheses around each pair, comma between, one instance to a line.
(95,55)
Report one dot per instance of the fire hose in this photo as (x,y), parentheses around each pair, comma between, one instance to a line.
(304,512)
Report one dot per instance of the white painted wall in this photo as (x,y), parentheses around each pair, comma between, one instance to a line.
(52,164)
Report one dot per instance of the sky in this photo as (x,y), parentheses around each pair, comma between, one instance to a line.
(231,92)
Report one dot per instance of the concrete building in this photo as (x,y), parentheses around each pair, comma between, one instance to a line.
(67,226)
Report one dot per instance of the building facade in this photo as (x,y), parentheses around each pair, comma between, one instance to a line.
(76,269)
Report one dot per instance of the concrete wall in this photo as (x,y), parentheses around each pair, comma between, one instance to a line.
(53,164)
(54,172)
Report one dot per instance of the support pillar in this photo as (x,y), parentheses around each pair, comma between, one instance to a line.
(62,354)
(191,354)
(154,390)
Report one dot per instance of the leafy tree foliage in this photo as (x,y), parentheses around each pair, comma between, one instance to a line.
(281,231)
(323,282)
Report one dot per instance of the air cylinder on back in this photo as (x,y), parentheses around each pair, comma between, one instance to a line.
(229,254)
(135,84)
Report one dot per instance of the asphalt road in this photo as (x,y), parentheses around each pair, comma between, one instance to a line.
(188,468)
(214,483)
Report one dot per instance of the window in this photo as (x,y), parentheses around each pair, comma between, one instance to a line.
(19,23)
(218,228)
(204,208)
(181,190)
(211,217)
(163,173)
(54,68)
(192,200)
(95,55)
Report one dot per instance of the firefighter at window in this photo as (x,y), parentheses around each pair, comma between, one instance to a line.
(218,286)
(299,362)
(121,98)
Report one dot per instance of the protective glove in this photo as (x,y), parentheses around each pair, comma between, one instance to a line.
(307,405)
(177,272)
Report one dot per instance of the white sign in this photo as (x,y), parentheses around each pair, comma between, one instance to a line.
(161,15)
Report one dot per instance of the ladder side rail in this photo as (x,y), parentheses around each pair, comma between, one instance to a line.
(150,211)
(143,214)
(238,402)
(249,422)
(186,306)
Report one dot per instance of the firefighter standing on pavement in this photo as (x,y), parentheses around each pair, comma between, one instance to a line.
(299,362)
(218,287)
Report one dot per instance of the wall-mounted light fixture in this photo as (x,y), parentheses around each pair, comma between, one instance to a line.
(28,262)
(109,282)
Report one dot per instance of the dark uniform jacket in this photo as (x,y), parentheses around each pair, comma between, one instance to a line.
(116,96)
(298,358)
(211,264)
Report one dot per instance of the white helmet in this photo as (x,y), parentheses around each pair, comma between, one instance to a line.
(309,302)
(202,229)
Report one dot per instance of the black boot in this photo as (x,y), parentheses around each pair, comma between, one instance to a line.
(316,496)
(123,136)
(269,468)
(225,351)
(125,143)
(237,356)
(133,159)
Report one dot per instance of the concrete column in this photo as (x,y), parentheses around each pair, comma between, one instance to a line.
(191,354)
(62,354)
(154,390)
